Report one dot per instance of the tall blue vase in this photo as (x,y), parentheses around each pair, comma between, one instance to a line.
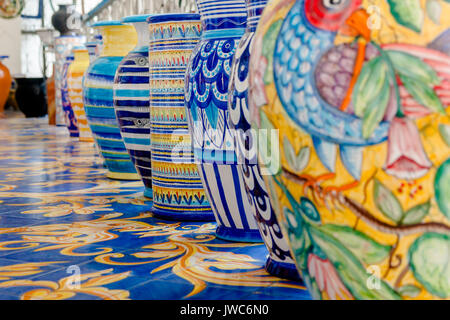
(207,81)
(279,262)
(132,102)
(69,114)
(178,193)
(119,40)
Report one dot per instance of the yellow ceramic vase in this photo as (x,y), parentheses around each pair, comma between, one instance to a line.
(75,79)
(356,97)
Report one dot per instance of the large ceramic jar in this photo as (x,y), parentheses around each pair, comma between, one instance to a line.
(5,83)
(178,192)
(279,262)
(71,121)
(207,81)
(75,75)
(119,39)
(132,102)
(359,96)
(63,47)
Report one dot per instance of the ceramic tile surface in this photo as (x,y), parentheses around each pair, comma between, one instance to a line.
(68,232)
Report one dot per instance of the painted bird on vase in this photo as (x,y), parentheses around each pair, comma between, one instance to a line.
(316,82)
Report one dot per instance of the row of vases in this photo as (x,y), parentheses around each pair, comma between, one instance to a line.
(151,96)
(357,198)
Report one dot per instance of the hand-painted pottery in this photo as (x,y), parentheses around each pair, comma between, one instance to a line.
(207,81)
(5,83)
(279,262)
(98,98)
(63,47)
(177,187)
(94,47)
(69,113)
(132,102)
(75,75)
(363,182)
(50,90)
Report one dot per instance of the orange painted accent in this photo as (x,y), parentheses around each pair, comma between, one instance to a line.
(5,85)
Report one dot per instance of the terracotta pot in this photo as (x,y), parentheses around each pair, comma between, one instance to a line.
(178,192)
(363,179)
(119,39)
(5,84)
(207,83)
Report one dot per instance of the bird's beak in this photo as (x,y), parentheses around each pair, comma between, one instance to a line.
(357,25)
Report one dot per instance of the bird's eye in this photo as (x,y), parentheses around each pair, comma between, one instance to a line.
(335,4)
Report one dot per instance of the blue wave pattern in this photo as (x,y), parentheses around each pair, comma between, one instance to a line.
(178,191)
(71,120)
(132,106)
(207,82)
(280,262)
(99,107)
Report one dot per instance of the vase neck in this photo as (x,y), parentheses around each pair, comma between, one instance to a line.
(142,33)
(255,9)
(118,40)
(222,16)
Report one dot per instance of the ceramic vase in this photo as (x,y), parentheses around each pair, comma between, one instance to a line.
(51,107)
(5,83)
(75,75)
(71,121)
(63,47)
(119,39)
(178,192)
(207,83)
(132,102)
(361,188)
(279,262)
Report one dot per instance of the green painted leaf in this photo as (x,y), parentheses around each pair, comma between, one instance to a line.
(423,94)
(413,67)
(303,158)
(376,110)
(408,13)
(350,269)
(409,290)
(268,49)
(445,132)
(387,203)
(429,258)
(442,188)
(363,247)
(416,214)
(369,85)
(309,210)
(434,10)
(289,153)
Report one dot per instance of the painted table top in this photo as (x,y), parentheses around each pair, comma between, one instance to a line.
(60,216)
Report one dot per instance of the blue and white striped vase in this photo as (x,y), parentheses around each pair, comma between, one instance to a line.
(178,192)
(207,80)
(279,262)
(132,102)
(69,114)
(119,40)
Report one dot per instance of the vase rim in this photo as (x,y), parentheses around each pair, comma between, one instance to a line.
(136,18)
(79,48)
(107,23)
(165,17)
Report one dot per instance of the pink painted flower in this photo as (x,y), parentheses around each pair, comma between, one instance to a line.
(327,278)
(406,157)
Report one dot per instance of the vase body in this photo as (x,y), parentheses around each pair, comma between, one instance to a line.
(132,103)
(71,120)
(51,107)
(5,84)
(63,47)
(178,192)
(207,83)
(364,159)
(98,99)
(60,19)
(75,75)
(30,96)
(279,262)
